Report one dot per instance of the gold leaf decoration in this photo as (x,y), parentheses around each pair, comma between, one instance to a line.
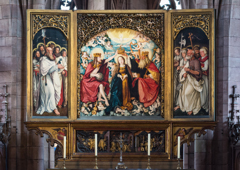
(41,21)
(179,22)
(151,25)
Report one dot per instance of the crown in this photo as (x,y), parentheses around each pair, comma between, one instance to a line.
(145,53)
(121,50)
(97,54)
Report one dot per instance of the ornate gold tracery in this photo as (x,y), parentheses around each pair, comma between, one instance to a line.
(180,22)
(41,21)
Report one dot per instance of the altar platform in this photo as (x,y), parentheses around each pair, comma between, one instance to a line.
(112,169)
(74,165)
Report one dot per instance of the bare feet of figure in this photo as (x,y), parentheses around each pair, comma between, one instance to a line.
(176,108)
(189,113)
(106,102)
(56,112)
(65,104)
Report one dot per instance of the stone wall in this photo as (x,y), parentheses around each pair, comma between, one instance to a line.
(26,150)
(227,68)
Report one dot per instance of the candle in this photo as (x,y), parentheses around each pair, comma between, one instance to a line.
(178,154)
(149,137)
(95,144)
(64,148)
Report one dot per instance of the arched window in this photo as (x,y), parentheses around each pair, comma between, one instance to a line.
(170,4)
(67,5)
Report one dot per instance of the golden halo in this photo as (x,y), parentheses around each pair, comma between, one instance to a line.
(63,48)
(35,49)
(98,50)
(50,42)
(58,47)
(118,55)
(39,45)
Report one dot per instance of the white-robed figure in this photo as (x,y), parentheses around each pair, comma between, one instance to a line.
(50,87)
(192,84)
(177,58)
(182,63)
(204,61)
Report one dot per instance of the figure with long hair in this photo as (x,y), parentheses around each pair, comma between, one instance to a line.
(94,85)
(121,86)
(146,84)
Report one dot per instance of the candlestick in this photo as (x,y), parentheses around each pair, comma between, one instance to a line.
(64,147)
(96,145)
(149,137)
(178,154)
(95,167)
(64,167)
(149,167)
(178,166)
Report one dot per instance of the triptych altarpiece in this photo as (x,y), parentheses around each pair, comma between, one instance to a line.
(106,72)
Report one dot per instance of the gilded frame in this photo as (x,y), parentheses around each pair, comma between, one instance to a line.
(163,74)
(68,32)
(169,61)
(168,45)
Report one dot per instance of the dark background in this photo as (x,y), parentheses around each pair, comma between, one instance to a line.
(52,34)
(198,38)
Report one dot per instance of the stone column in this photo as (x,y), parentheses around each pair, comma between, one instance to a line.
(234,61)
(96,5)
(35,151)
(191,156)
(188,156)
(39,4)
(52,157)
(199,153)
(138,4)
(185,156)
(25,148)
(10,73)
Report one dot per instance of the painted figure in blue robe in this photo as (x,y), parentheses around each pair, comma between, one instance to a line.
(157,60)
(120,87)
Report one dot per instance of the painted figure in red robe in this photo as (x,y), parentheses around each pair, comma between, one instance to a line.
(94,85)
(146,84)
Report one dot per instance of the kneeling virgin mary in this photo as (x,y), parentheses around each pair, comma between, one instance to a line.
(121,86)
